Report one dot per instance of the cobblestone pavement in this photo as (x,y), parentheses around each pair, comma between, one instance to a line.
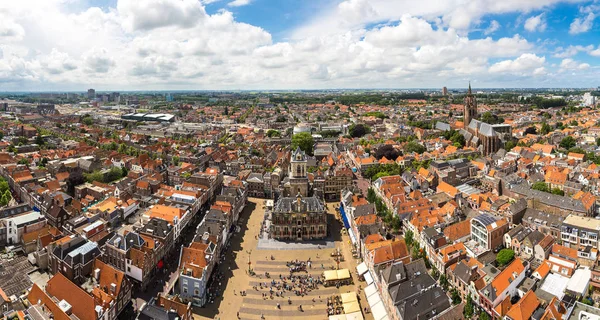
(253,305)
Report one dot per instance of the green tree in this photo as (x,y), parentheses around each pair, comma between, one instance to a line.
(88,121)
(124,171)
(359,130)
(541,186)
(8,194)
(305,141)
(24,161)
(175,160)
(415,147)
(273,133)
(3,185)
(505,256)
(455,296)
(545,128)
(508,145)
(557,191)
(371,195)
(444,282)
(469,310)
(409,238)
(3,200)
(484,316)
(568,142)
(39,140)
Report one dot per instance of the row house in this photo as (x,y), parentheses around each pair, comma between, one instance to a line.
(237,195)
(17,226)
(177,217)
(162,234)
(211,178)
(109,287)
(581,234)
(177,174)
(196,263)
(117,250)
(409,292)
(73,256)
(381,254)
(170,307)
(465,276)
(503,285)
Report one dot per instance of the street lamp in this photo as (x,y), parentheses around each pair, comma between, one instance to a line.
(249,262)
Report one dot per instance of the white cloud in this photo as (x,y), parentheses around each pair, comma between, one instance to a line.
(571,51)
(457,14)
(10,30)
(595,53)
(570,64)
(132,47)
(493,27)
(585,23)
(535,23)
(97,60)
(239,3)
(152,14)
(526,63)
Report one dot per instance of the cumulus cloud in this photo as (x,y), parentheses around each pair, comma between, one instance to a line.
(570,64)
(584,23)
(239,3)
(97,60)
(10,30)
(134,47)
(524,64)
(152,14)
(493,27)
(571,51)
(457,14)
(535,23)
(595,53)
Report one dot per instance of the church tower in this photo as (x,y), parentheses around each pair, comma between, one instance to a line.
(470,111)
(298,173)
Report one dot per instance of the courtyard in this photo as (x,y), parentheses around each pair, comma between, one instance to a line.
(305,291)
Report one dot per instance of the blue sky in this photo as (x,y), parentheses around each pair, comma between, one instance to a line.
(297,44)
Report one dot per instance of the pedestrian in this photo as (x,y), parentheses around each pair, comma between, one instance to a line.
(238,314)
(234,293)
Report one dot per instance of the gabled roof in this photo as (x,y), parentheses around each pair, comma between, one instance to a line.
(63,289)
(523,309)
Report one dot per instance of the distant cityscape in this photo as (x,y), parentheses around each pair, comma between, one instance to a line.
(400,204)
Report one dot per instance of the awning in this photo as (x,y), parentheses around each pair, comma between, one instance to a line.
(330,275)
(374,299)
(362,268)
(368,278)
(343,274)
(349,297)
(370,290)
(351,307)
(354,316)
(378,311)
(351,234)
(344,217)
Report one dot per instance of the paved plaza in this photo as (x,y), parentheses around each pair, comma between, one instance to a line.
(244,249)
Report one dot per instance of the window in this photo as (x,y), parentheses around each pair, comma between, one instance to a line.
(196,292)
(185,282)
(196,284)
(185,290)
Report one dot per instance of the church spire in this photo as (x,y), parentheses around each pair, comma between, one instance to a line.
(470,88)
